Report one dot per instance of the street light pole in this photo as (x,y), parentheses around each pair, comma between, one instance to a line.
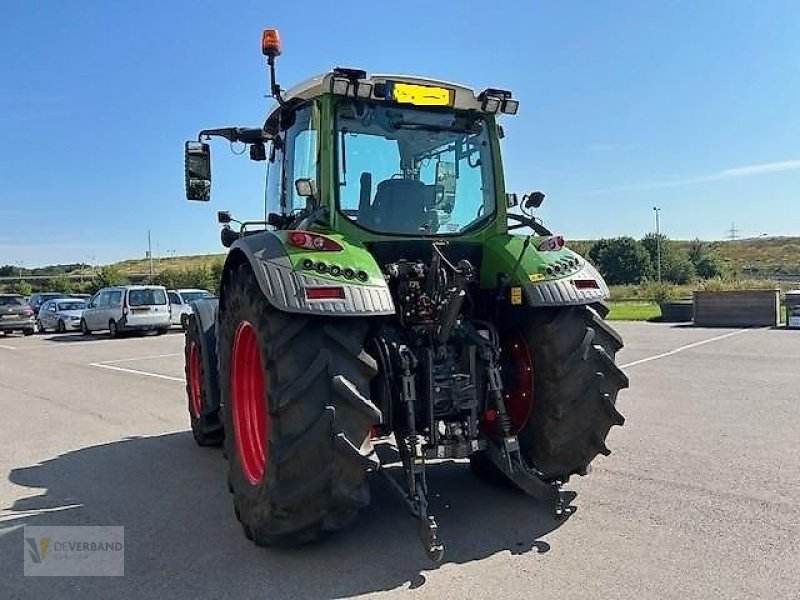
(658,242)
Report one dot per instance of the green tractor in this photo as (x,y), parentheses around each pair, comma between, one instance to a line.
(385,298)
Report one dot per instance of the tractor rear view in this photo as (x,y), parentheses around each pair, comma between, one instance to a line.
(393,293)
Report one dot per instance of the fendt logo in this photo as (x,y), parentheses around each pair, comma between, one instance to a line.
(38,552)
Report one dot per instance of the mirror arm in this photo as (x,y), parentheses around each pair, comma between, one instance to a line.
(524,221)
(246,135)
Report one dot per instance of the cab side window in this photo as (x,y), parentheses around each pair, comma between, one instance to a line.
(174,298)
(274,191)
(301,154)
(115,298)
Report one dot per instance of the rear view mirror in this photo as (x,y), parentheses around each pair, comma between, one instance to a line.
(197,170)
(228,236)
(446,181)
(533,200)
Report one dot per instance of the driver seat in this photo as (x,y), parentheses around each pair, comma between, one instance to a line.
(401,205)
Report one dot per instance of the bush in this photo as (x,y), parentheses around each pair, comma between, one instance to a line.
(658,292)
(621,260)
(62,284)
(22,287)
(676,265)
(108,276)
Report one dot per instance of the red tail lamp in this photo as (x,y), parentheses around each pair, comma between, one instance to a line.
(554,242)
(325,293)
(586,284)
(312,241)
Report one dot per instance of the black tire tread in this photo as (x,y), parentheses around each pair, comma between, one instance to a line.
(207,429)
(576,383)
(317,375)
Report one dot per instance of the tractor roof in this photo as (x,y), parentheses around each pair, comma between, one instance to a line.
(462,97)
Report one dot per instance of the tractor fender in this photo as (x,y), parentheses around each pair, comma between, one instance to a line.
(566,292)
(284,286)
(205,313)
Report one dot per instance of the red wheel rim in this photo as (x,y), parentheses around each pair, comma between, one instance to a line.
(516,370)
(517,379)
(195,382)
(247,403)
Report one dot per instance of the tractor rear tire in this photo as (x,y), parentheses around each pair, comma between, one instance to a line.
(576,382)
(205,420)
(313,417)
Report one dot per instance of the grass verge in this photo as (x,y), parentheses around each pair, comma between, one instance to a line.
(633,311)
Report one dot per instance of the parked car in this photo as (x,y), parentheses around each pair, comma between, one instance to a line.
(180,304)
(36,300)
(125,308)
(15,314)
(81,296)
(61,314)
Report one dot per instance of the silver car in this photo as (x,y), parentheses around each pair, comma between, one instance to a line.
(180,303)
(125,308)
(61,314)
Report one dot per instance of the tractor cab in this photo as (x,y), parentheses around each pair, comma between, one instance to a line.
(410,156)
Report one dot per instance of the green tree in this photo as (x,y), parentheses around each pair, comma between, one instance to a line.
(107,276)
(705,263)
(195,277)
(167,277)
(62,284)
(21,287)
(675,264)
(216,275)
(621,260)
(708,267)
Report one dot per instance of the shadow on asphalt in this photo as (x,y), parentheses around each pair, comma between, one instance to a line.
(79,337)
(183,541)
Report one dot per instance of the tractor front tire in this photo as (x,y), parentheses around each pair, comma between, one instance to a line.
(576,382)
(296,415)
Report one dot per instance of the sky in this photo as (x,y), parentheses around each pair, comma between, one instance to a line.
(625,105)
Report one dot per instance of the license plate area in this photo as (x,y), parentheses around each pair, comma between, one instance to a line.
(141,311)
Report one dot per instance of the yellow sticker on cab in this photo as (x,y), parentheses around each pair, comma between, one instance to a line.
(421,95)
(536,277)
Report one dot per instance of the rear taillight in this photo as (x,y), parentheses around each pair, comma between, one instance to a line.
(554,242)
(325,293)
(586,284)
(312,241)
(28,312)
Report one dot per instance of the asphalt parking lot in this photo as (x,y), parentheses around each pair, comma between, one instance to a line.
(700,498)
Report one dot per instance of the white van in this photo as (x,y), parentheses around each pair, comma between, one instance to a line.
(127,308)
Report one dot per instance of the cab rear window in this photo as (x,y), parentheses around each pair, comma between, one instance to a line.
(147,297)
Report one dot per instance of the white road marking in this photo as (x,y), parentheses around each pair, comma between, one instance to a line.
(135,358)
(137,372)
(13,516)
(688,347)
(4,347)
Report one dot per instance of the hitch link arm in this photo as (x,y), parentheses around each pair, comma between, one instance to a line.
(413,457)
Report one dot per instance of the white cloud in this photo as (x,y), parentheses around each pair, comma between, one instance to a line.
(733,173)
